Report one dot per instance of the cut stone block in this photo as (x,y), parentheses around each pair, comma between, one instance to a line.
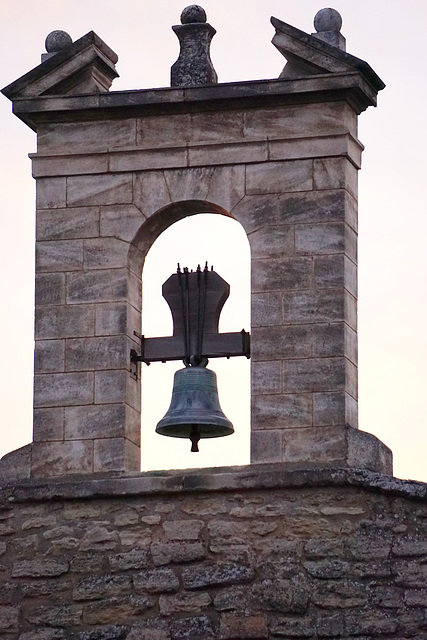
(105,253)
(116,454)
(117,386)
(121,221)
(63,389)
(65,224)
(86,136)
(102,421)
(331,409)
(107,352)
(108,285)
(98,189)
(51,459)
(272,241)
(266,309)
(279,342)
(326,305)
(320,238)
(283,411)
(266,377)
(282,274)
(51,193)
(61,255)
(314,374)
(66,321)
(49,355)
(336,446)
(279,177)
(48,424)
(306,207)
(50,289)
(294,122)
(335,173)
(335,271)
(266,445)
(220,154)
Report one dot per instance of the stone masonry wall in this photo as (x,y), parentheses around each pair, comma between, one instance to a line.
(107,188)
(215,555)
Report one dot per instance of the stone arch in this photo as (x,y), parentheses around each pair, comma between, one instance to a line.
(144,239)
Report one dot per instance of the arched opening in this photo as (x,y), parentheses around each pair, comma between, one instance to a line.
(222,242)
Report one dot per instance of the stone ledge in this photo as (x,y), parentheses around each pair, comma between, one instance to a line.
(244,151)
(244,478)
(351,87)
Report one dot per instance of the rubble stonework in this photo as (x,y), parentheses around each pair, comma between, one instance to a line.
(224,554)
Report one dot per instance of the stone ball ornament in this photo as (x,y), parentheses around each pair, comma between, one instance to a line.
(327,20)
(192,14)
(57,41)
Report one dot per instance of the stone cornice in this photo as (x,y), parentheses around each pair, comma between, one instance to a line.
(351,87)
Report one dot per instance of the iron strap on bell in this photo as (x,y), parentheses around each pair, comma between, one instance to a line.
(196,300)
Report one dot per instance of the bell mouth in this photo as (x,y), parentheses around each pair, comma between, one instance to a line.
(184,430)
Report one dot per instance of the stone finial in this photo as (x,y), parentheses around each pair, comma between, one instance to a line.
(328,23)
(194,66)
(56,41)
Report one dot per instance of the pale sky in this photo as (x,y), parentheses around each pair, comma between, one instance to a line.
(391,37)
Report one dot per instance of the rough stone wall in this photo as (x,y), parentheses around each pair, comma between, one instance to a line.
(281,554)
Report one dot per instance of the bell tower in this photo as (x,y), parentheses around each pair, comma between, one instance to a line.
(115,169)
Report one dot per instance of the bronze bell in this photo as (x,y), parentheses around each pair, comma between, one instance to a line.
(195,411)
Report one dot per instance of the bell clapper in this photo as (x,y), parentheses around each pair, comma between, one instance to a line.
(195,437)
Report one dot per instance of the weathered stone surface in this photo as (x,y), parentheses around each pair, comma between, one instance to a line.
(135,559)
(118,454)
(98,190)
(59,458)
(335,173)
(43,634)
(326,305)
(67,321)
(50,289)
(279,177)
(86,136)
(221,573)
(101,421)
(105,352)
(283,411)
(243,626)
(97,286)
(272,241)
(156,581)
(314,374)
(51,193)
(62,389)
(193,628)
(109,632)
(293,122)
(66,224)
(105,253)
(121,221)
(117,386)
(183,529)
(56,615)
(282,342)
(149,630)
(183,603)
(266,378)
(266,309)
(266,446)
(49,355)
(60,255)
(281,274)
(9,616)
(102,587)
(165,553)
(39,568)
